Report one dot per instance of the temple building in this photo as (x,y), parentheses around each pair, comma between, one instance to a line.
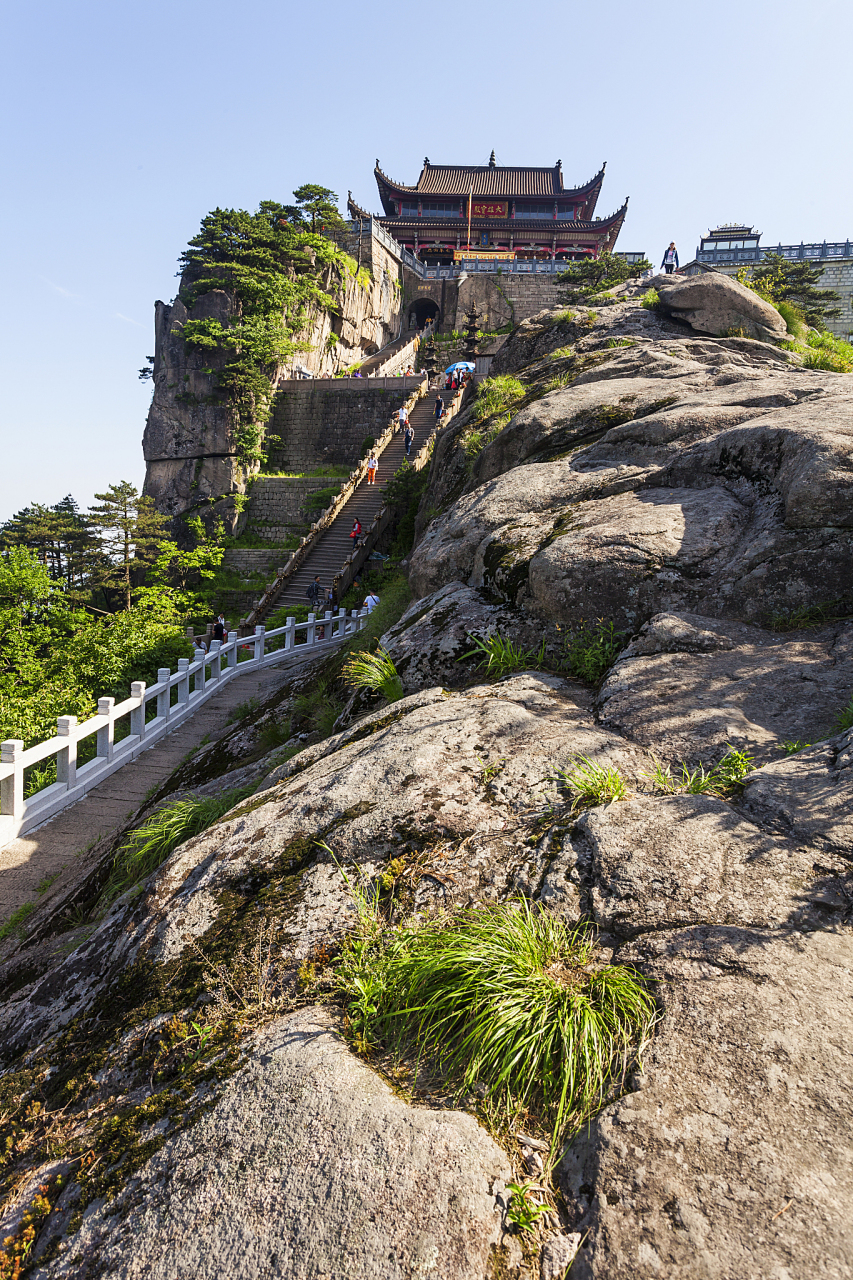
(458,212)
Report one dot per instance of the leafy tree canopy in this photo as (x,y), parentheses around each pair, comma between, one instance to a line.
(781,280)
(271,263)
(315,208)
(594,274)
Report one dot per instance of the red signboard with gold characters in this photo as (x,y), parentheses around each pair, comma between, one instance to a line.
(489,209)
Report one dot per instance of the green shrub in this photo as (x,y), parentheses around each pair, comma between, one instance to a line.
(619,342)
(497,394)
(501,657)
(376,672)
(500,998)
(650,300)
(146,848)
(591,650)
(321,498)
(591,275)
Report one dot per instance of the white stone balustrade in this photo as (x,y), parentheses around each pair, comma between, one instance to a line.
(195,681)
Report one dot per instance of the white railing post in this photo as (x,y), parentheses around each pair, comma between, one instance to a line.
(362,619)
(12,788)
(137,715)
(327,624)
(340,628)
(289,634)
(199,656)
(215,659)
(260,643)
(66,757)
(184,682)
(106,734)
(164,697)
(309,632)
(232,653)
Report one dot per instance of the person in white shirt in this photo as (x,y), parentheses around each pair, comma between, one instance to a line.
(404,416)
(371,602)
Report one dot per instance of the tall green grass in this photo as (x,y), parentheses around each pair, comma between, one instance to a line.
(500,656)
(592,648)
(503,998)
(496,394)
(146,848)
(376,672)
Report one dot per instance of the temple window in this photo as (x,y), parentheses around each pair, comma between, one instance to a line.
(409,210)
(534,211)
(567,212)
(444,207)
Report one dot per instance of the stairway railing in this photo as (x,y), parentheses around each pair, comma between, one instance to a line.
(176,695)
(355,561)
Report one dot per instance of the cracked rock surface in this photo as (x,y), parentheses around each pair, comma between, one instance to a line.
(697,492)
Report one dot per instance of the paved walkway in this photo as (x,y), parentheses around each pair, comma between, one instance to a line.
(52,853)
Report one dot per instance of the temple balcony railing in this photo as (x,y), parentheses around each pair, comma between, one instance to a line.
(372,226)
(821,252)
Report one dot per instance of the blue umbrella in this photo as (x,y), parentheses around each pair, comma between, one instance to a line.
(460,364)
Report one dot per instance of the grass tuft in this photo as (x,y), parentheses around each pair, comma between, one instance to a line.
(845,718)
(650,300)
(502,999)
(376,672)
(593,783)
(592,649)
(15,923)
(146,848)
(497,394)
(722,780)
(500,657)
(478,438)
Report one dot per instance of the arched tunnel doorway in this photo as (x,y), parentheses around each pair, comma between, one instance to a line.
(421,311)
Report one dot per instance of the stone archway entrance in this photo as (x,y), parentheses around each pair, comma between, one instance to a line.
(421,311)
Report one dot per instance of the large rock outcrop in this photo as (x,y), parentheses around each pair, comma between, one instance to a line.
(677,474)
(686,488)
(716,304)
(302,1162)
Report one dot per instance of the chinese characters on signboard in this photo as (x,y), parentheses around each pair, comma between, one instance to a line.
(489,209)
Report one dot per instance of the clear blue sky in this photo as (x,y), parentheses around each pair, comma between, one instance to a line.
(124,124)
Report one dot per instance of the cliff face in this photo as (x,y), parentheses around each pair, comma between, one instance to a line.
(189,442)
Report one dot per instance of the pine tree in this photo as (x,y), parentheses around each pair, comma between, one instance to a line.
(62,540)
(316,209)
(130,530)
(782,280)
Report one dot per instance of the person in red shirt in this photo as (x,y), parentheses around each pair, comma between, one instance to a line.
(355,532)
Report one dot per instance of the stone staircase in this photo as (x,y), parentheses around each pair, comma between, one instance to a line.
(331,549)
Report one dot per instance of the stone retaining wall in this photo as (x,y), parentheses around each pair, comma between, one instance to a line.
(501,299)
(322,425)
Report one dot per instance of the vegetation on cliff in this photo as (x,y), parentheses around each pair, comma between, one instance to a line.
(278,272)
(88,603)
